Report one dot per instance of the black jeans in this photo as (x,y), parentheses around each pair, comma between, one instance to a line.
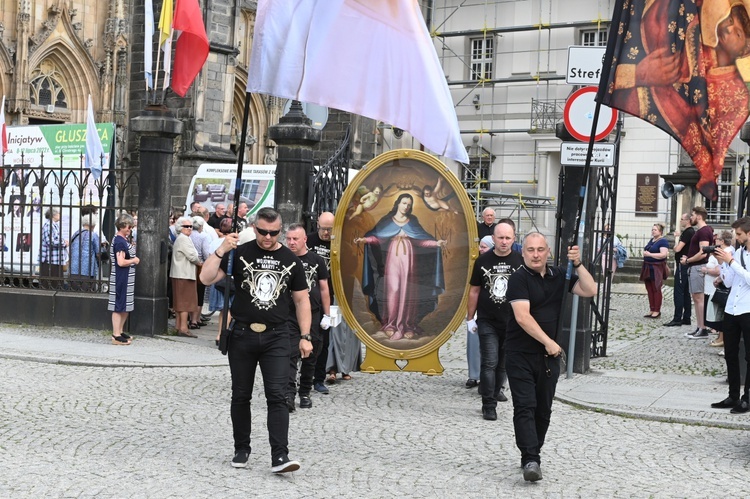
(270,349)
(682,300)
(322,357)
(533,380)
(307,367)
(492,375)
(736,327)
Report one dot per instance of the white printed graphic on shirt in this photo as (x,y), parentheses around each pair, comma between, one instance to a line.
(266,283)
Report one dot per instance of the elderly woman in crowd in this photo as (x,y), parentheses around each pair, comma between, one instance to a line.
(216,291)
(53,254)
(712,273)
(185,262)
(202,243)
(122,278)
(654,269)
(85,250)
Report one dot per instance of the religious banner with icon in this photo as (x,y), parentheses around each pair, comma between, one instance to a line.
(402,250)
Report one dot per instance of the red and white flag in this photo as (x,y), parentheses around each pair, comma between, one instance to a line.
(191,48)
(370,57)
(3,129)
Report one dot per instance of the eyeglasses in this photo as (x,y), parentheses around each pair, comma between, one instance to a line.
(325,229)
(187,226)
(264,232)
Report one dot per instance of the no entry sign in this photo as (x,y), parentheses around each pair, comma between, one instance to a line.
(579,115)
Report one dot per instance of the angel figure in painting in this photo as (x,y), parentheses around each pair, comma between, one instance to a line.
(367,200)
(411,271)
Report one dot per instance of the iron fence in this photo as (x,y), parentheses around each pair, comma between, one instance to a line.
(36,243)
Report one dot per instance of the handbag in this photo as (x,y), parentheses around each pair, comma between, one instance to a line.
(720,295)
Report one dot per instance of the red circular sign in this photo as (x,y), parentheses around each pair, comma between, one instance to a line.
(579,115)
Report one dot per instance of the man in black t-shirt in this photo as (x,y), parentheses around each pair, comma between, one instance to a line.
(267,278)
(682,307)
(316,274)
(532,354)
(320,243)
(489,282)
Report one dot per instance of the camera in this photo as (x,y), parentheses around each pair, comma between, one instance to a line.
(709,249)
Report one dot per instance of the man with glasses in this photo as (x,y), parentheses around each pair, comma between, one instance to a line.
(532,353)
(215,219)
(268,277)
(681,289)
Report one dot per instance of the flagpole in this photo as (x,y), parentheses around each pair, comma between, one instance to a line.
(577,235)
(156,73)
(167,71)
(237,190)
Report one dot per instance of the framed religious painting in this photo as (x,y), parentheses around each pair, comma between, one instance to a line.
(402,250)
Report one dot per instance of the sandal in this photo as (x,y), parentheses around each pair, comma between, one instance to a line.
(194,325)
(346,377)
(119,340)
(331,379)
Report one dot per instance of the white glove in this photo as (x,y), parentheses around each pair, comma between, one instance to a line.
(325,322)
(472,326)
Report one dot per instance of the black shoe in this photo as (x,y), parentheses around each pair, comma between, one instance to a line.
(126,336)
(741,408)
(532,472)
(240,459)
(471,383)
(727,403)
(290,404)
(692,333)
(489,413)
(501,397)
(284,465)
(700,335)
(686,323)
(305,402)
(673,323)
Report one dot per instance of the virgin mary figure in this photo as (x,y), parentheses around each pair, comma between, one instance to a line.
(402,272)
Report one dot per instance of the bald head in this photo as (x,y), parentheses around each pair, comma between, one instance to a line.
(325,225)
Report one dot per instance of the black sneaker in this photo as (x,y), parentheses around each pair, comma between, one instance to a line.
(471,383)
(489,413)
(321,388)
(290,404)
(284,465)
(240,459)
(700,335)
(501,397)
(532,472)
(692,333)
(305,402)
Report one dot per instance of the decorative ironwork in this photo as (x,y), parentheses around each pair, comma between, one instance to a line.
(28,191)
(329,182)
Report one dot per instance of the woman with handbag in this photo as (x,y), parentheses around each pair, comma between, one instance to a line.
(714,290)
(654,270)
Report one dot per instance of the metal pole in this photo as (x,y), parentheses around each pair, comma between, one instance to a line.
(576,298)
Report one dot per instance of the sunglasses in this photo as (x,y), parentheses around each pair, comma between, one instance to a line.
(264,232)
(187,226)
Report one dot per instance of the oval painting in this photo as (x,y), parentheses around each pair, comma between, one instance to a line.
(403,245)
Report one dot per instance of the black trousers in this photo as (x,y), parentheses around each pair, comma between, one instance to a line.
(294,358)
(307,366)
(682,300)
(270,350)
(533,379)
(736,327)
(322,360)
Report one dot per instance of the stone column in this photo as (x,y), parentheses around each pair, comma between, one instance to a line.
(157,129)
(295,138)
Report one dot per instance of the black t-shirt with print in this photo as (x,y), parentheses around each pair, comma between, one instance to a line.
(544,295)
(323,249)
(315,270)
(264,281)
(491,273)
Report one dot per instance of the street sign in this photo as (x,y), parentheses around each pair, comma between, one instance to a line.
(574,154)
(578,115)
(584,65)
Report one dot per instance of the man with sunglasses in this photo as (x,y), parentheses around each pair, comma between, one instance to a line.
(268,277)
(532,354)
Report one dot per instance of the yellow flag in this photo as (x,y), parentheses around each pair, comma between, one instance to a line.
(165,21)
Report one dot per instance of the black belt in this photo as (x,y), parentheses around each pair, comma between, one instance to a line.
(258,327)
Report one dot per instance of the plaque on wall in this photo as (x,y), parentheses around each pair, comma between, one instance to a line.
(646,194)
(402,253)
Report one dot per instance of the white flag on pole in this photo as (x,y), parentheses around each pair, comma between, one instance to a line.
(148,43)
(94,149)
(369,57)
(167,48)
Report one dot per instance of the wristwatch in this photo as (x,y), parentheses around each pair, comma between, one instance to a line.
(306,337)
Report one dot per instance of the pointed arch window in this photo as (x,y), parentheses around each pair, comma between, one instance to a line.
(46,88)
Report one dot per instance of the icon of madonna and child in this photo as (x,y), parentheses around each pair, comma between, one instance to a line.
(400,264)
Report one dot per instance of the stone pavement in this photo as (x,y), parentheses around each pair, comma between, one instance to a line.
(80,417)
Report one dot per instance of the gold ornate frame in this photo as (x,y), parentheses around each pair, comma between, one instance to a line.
(380,357)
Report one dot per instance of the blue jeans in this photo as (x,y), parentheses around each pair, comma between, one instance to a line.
(533,380)
(682,298)
(270,349)
(492,374)
(473,355)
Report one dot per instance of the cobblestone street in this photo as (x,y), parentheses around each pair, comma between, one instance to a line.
(84,431)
